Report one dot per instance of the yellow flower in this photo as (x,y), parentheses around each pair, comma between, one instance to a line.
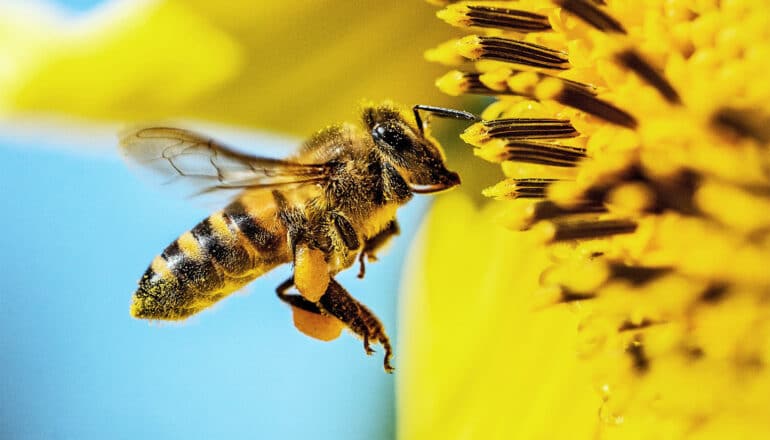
(634,138)
(227,62)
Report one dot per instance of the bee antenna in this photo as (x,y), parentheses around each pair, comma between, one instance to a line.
(440,112)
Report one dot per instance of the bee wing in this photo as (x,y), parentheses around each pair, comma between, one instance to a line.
(180,155)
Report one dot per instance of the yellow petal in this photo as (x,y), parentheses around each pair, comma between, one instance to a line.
(291,67)
(479,358)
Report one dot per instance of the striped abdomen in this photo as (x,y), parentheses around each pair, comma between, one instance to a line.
(217,257)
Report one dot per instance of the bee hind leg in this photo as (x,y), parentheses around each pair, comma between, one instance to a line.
(295,300)
(359,319)
(336,309)
(311,271)
(308,317)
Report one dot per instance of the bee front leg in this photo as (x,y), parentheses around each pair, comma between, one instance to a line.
(375,243)
(359,319)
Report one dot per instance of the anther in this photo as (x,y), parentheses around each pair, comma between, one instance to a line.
(519,128)
(455,83)
(637,275)
(523,53)
(479,15)
(541,153)
(633,61)
(590,13)
(553,231)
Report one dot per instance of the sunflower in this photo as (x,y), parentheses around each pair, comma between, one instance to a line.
(634,144)
(615,288)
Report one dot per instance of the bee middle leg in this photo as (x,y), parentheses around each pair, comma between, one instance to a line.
(375,243)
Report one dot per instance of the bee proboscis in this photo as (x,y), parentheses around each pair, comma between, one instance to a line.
(333,202)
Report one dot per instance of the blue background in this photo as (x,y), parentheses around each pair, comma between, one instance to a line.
(77,232)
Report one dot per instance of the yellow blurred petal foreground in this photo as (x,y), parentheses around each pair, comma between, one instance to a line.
(285,66)
(479,359)
(634,138)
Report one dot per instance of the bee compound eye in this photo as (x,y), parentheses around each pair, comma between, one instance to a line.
(392,135)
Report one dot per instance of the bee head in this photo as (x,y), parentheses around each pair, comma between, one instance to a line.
(417,156)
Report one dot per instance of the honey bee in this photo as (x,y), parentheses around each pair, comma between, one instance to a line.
(332,202)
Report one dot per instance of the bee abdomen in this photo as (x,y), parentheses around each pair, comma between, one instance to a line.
(219,242)
(217,257)
(178,283)
(262,239)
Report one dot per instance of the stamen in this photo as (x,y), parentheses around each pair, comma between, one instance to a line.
(637,275)
(476,47)
(634,62)
(591,14)
(553,231)
(568,296)
(455,83)
(539,86)
(548,210)
(519,128)
(575,96)
(714,293)
(579,87)
(629,325)
(630,197)
(446,54)
(636,350)
(532,188)
(751,123)
(496,79)
(478,15)
(694,353)
(531,152)
(528,214)
(675,193)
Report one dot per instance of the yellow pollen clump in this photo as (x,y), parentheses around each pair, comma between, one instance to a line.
(311,272)
(452,83)
(322,327)
(548,89)
(445,54)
